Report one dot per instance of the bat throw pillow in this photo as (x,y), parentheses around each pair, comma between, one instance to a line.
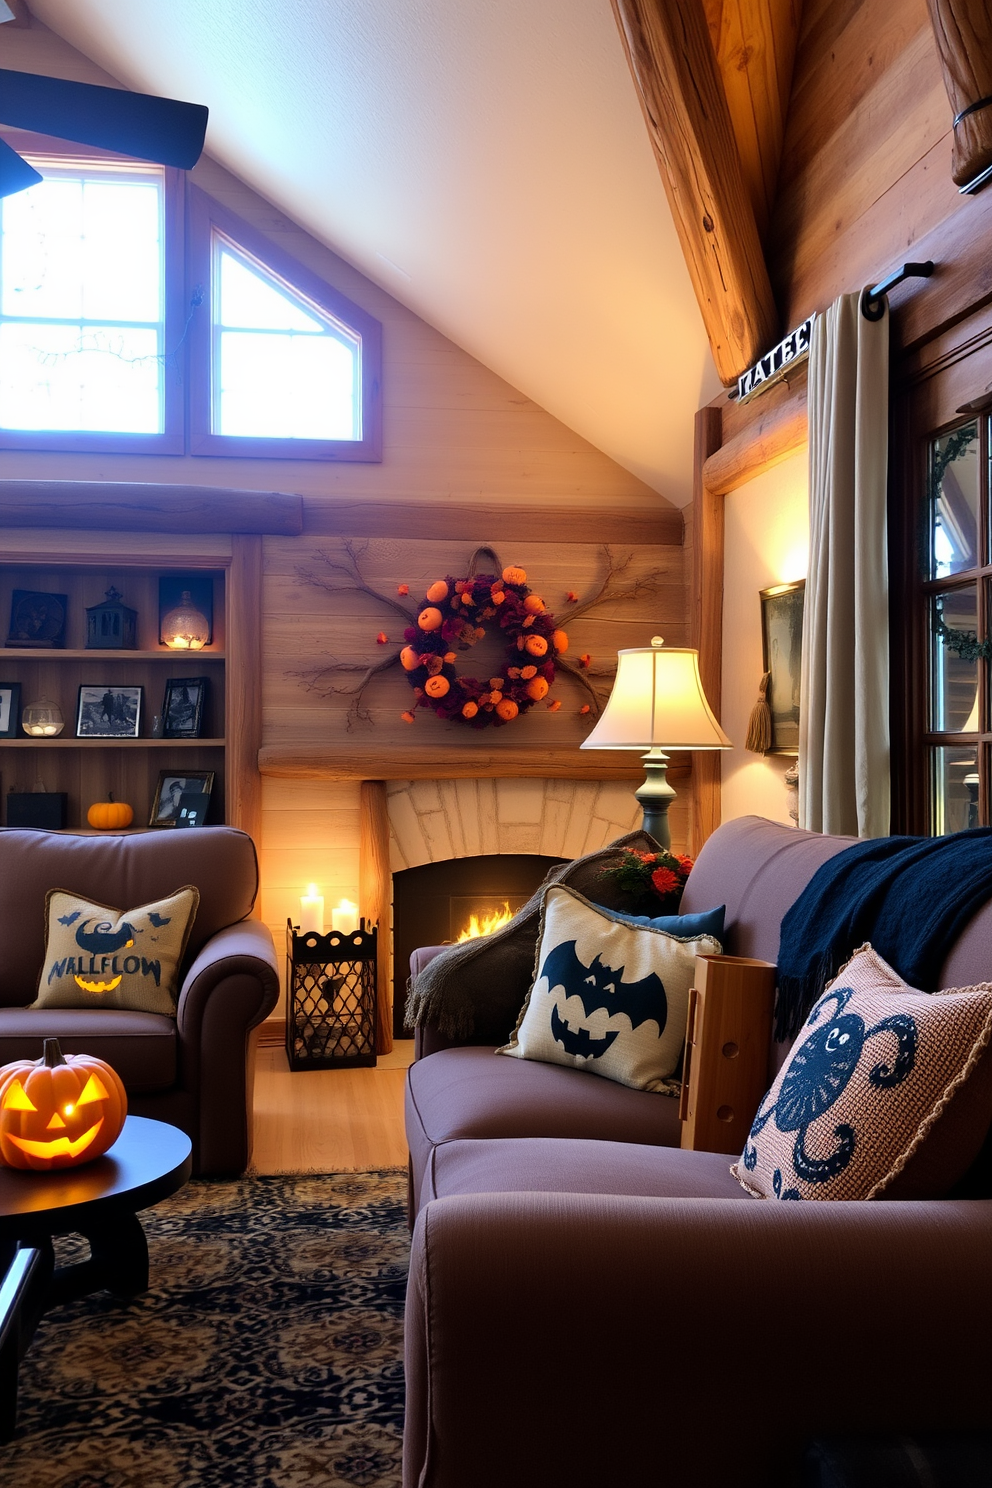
(608,996)
(98,957)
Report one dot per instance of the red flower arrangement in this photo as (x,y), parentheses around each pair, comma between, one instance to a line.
(453,615)
(643,874)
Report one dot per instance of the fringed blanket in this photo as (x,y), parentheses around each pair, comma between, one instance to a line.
(909,896)
(474,991)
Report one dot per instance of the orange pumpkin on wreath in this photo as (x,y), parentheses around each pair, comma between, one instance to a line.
(453,617)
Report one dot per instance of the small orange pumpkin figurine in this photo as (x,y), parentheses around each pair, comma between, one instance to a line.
(58,1112)
(110,813)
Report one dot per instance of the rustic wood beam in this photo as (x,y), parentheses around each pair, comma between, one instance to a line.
(776,432)
(677,81)
(244,692)
(134,506)
(366,760)
(963,32)
(375,892)
(755,46)
(706,621)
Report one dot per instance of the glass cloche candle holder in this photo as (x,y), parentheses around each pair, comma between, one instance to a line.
(43,719)
(185,628)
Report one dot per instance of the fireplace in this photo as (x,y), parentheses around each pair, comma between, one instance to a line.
(434,903)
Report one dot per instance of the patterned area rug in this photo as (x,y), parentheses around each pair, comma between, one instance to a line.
(266,1354)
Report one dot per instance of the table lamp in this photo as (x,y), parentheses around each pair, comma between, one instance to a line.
(657,703)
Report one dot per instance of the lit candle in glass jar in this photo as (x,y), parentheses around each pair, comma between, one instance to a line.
(312,911)
(344,919)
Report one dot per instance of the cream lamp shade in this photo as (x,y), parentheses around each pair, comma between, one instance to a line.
(657,703)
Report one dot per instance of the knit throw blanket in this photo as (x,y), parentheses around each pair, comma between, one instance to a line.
(909,896)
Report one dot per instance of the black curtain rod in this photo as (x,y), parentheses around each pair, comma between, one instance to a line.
(873,300)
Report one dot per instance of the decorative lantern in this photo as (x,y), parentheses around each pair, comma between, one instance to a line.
(111,626)
(43,719)
(58,1112)
(331,998)
(185,628)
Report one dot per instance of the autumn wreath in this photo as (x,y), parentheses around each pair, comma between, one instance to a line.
(452,618)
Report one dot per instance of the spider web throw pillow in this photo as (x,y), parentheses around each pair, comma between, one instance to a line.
(887,1092)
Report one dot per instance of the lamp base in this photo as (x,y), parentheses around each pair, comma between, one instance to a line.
(655,797)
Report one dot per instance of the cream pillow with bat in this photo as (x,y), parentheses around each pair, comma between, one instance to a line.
(608,997)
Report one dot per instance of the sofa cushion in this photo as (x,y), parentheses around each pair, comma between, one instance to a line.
(473,992)
(102,957)
(133,869)
(459,1093)
(609,998)
(563,1165)
(141,1047)
(887,1092)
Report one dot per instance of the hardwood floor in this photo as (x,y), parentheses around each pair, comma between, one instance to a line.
(329,1121)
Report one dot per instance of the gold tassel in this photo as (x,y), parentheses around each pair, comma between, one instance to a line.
(759,728)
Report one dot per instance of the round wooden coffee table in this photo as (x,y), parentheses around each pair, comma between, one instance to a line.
(100,1201)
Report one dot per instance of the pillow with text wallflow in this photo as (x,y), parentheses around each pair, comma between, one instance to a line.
(99,957)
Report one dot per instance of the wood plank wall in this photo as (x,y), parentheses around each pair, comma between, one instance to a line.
(866,164)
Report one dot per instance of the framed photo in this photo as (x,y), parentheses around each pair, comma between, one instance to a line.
(37,619)
(182,710)
(10,709)
(110,712)
(173,796)
(172,590)
(782,651)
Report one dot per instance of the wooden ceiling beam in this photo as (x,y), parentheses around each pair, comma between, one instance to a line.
(675,73)
(755,46)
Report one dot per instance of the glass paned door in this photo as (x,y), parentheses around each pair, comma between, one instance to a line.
(958,585)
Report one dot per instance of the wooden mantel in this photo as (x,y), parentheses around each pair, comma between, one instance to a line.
(365,762)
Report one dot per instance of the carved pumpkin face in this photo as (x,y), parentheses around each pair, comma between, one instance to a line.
(59,1112)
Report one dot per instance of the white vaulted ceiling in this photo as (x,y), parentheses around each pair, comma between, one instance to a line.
(483,160)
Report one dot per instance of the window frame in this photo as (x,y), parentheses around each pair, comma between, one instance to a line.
(204,217)
(171,441)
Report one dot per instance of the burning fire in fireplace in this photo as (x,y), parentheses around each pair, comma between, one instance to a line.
(486,923)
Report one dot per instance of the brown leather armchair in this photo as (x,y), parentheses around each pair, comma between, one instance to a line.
(195,1070)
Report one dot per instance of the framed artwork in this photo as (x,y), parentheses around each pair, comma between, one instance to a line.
(184,590)
(782,651)
(10,709)
(109,712)
(182,710)
(37,619)
(172,803)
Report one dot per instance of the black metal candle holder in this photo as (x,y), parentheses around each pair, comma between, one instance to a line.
(331,998)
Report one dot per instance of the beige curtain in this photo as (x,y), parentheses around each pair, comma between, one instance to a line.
(844,708)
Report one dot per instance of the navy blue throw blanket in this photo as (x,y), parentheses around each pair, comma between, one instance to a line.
(909,896)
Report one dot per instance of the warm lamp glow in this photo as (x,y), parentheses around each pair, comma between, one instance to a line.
(185,628)
(657,703)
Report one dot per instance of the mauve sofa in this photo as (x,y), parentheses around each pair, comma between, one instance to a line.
(194,1070)
(591,1307)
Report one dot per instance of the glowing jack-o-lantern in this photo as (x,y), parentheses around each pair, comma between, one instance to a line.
(57,1112)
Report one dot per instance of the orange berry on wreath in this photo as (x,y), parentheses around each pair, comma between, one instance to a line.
(536,645)
(571,596)
(514,575)
(470,709)
(585,659)
(554,706)
(527,672)
(409,660)
(507,708)
(402,588)
(537,688)
(407,717)
(438,592)
(430,619)
(382,639)
(584,708)
(450,657)
(560,641)
(437,687)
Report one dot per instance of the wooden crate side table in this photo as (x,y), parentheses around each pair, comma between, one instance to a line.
(728,1032)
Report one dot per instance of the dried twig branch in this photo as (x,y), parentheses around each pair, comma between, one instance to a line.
(582,676)
(349,570)
(612,588)
(320,680)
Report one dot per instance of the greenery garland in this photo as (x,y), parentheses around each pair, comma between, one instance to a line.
(453,614)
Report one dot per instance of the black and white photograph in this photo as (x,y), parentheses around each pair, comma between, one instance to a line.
(782,646)
(10,709)
(110,712)
(174,802)
(182,710)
